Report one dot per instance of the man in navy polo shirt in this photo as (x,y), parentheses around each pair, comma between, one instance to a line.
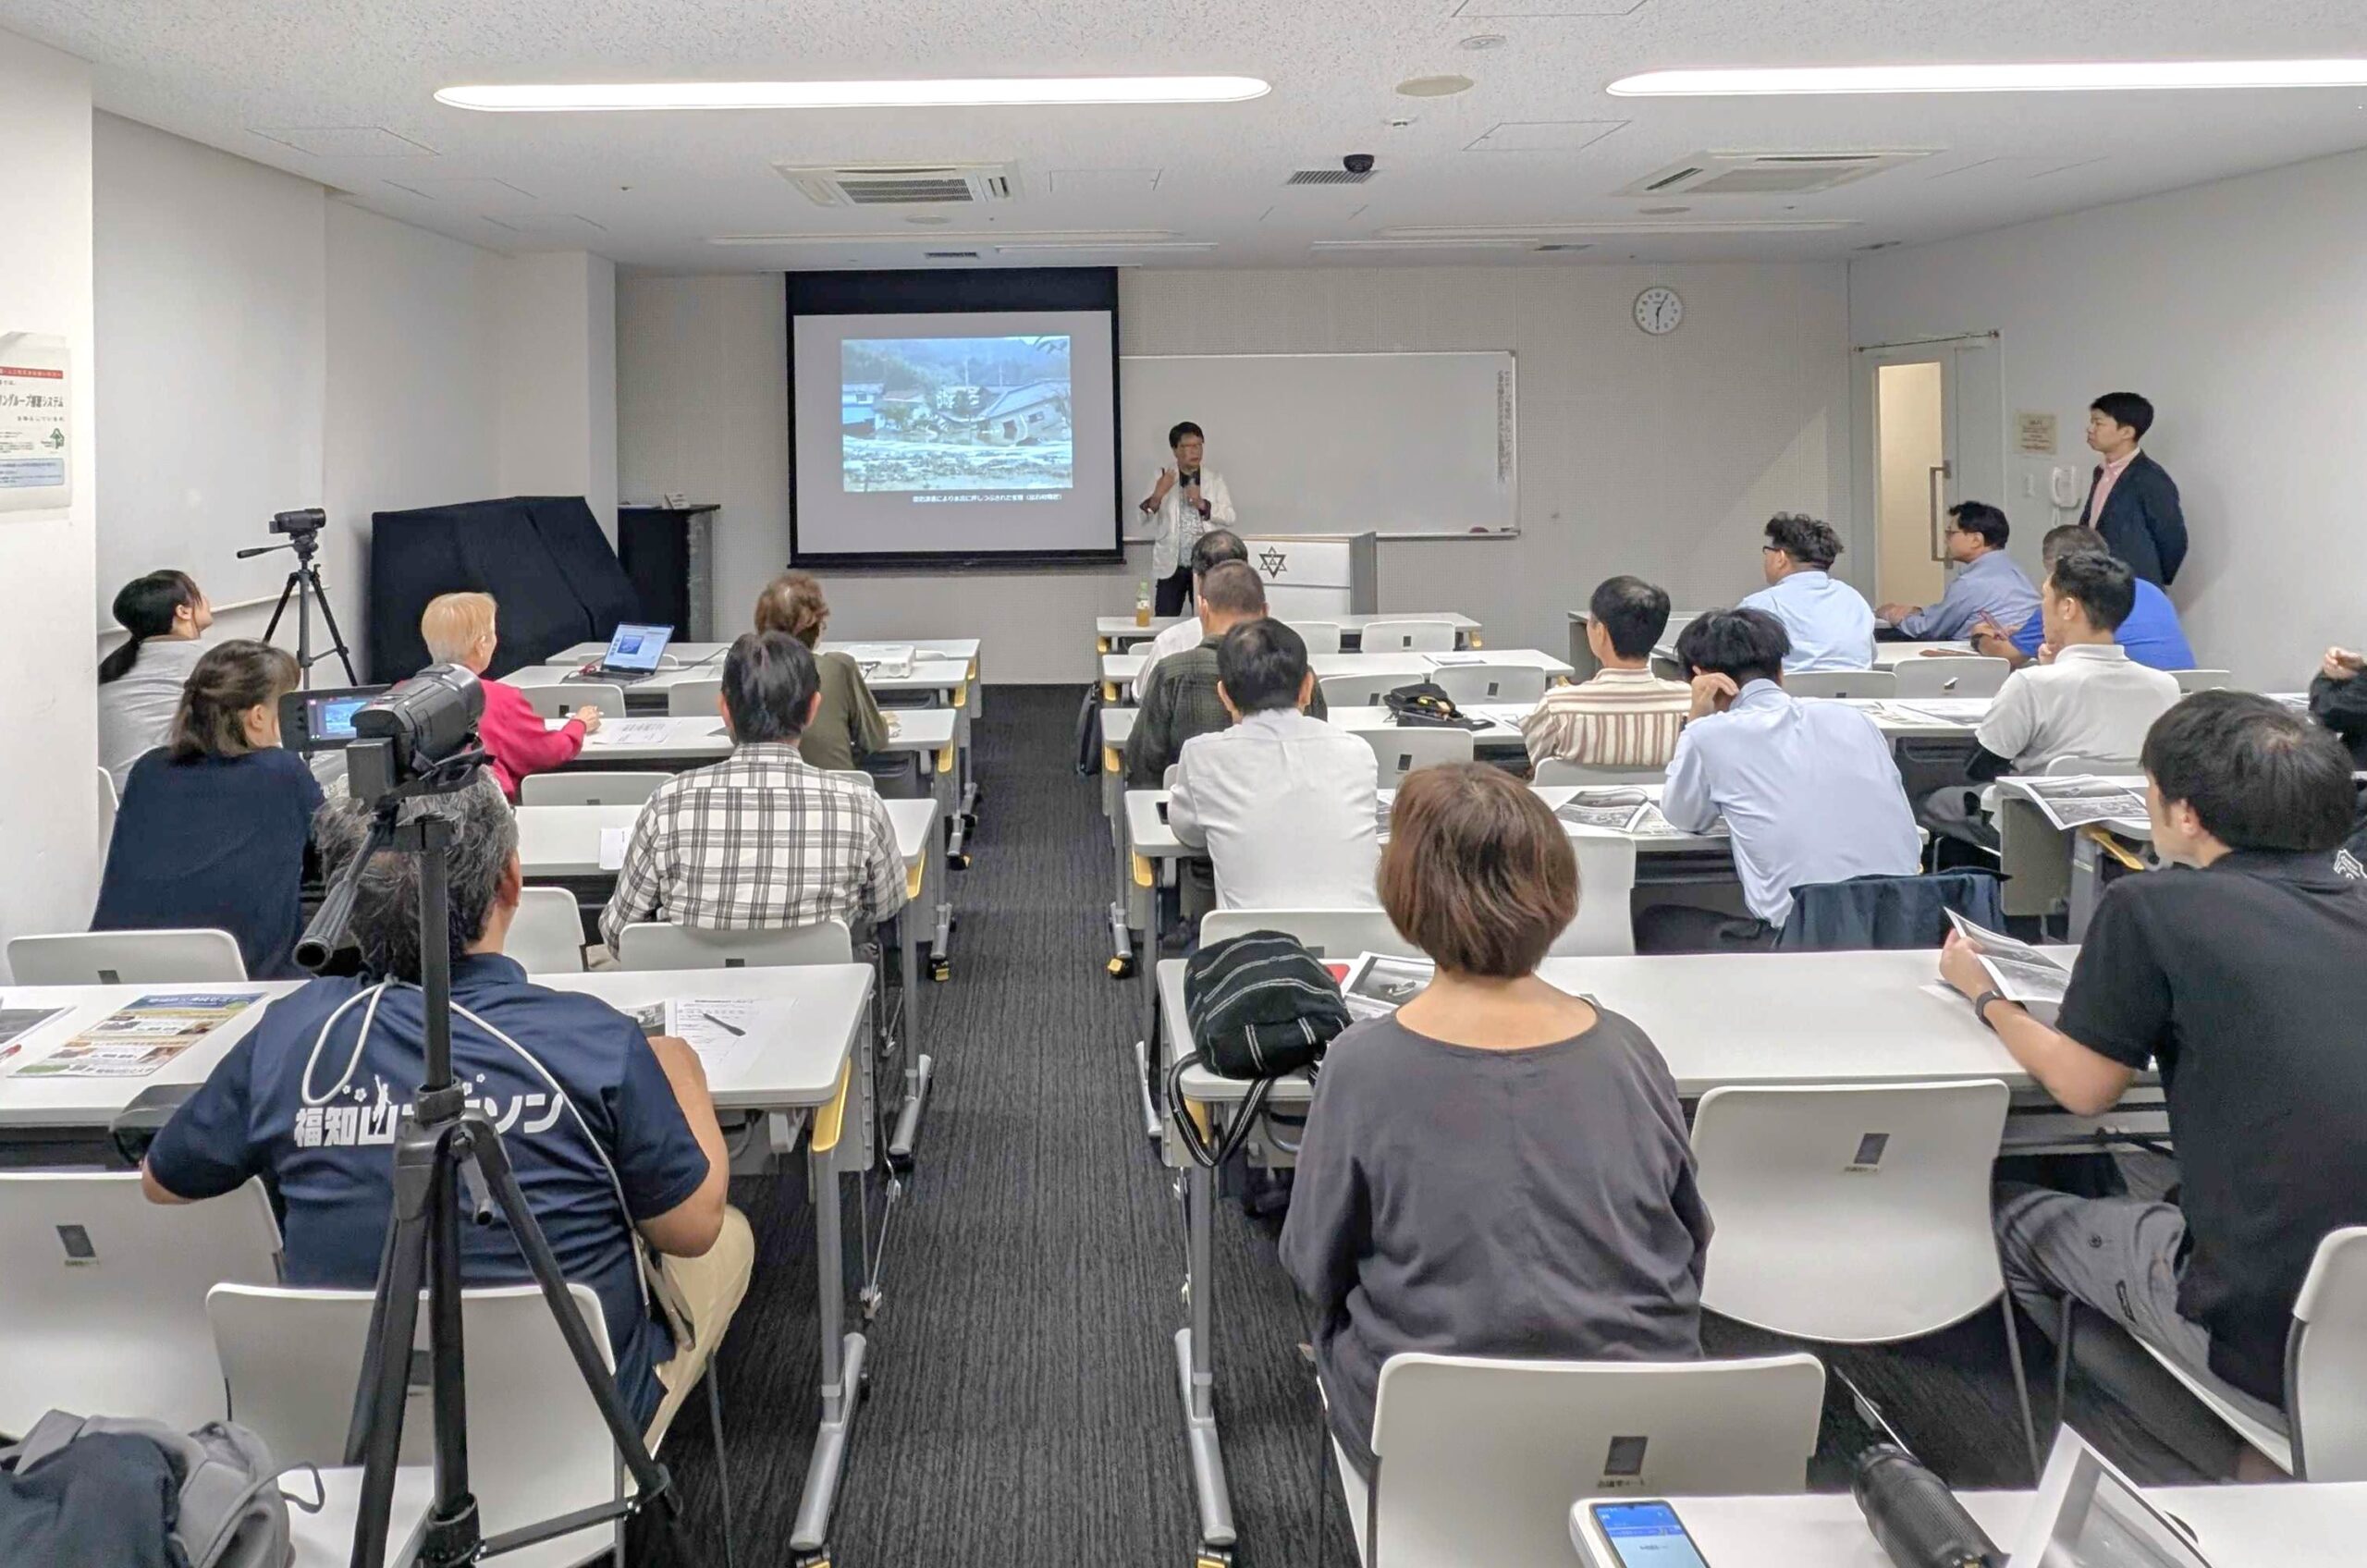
(612,1134)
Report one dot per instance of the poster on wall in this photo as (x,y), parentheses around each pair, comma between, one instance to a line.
(36,451)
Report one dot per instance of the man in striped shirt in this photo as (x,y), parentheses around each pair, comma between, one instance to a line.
(1626,717)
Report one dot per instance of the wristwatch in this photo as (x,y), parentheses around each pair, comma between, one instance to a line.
(1980,1006)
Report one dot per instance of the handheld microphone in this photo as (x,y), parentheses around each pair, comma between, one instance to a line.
(1913,1514)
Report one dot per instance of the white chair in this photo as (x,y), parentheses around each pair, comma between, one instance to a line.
(1399,751)
(1606,924)
(1469,683)
(538,1447)
(103,1294)
(125,958)
(1478,1459)
(656,944)
(1950,676)
(1554,771)
(693,699)
(558,699)
(1857,1215)
(1841,683)
(1408,637)
(1328,933)
(1320,636)
(109,803)
(2191,680)
(2103,768)
(547,935)
(589,789)
(1356,691)
(863,776)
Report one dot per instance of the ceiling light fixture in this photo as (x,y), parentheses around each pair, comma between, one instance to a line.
(986,92)
(2101,76)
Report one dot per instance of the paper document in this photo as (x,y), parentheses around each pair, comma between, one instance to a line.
(134,1041)
(890,659)
(727,1033)
(631,732)
(1947,710)
(1439,660)
(1630,811)
(2074,802)
(15,1022)
(1377,986)
(612,848)
(2022,974)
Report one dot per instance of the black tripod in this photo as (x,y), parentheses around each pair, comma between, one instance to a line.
(304,586)
(443,1148)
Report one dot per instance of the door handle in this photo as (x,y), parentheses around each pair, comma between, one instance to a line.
(1939,496)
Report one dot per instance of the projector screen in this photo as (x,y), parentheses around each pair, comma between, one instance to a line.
(926,431)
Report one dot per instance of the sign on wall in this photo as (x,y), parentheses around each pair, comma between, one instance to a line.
(36,440)
(2035,435)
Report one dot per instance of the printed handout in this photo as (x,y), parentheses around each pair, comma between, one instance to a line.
(2075,800)
(2023,973)
(1377,985)
(134,1041)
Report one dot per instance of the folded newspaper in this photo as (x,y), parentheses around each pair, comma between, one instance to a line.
(2022,974)
(1633,811)
(2076,801)
(1377,986)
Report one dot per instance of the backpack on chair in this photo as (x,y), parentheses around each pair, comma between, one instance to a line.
(229,1512)
(1261,1008)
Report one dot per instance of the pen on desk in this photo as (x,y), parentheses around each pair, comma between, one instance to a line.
(735,1034)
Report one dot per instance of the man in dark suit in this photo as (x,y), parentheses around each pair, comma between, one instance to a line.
(2131,500)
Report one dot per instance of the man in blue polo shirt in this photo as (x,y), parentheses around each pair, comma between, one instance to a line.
(2151,634)
(612,1136)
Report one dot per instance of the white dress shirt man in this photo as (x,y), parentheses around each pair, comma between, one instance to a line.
(1217,545)
(1185,501)
(1829,623)
(1284,803)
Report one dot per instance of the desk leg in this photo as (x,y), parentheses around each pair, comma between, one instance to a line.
(2086,884)
(842,1369)
(1196,1364)
(1149,1060)
(918,1066)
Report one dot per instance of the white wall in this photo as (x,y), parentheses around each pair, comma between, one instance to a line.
(1658,456)
(2236,307)
(558,379)
(49,849)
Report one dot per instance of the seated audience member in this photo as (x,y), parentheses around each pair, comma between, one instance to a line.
(309,1101)
(1571,1227)
(1829,624)
(1215,547)
(1624,716)
(763,839)
(460,629)
(140,683)
(2151,633)
(1284,803)
(214,826)
(1987,588)
(2338,700)
(848,727)
(2241,971)
(1181,701)
(2088,698)
(1807,788)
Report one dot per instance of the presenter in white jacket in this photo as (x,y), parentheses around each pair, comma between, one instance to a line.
(1185,501)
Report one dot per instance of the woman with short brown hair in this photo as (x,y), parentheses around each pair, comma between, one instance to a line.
(1500,1169)
(848,727)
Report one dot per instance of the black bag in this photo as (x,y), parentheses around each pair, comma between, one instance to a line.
(1424,705)
(1260,1007)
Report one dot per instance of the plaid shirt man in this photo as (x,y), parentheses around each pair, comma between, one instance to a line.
(1180,701)
(759,842)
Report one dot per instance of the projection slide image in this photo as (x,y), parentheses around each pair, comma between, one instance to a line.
(923,414)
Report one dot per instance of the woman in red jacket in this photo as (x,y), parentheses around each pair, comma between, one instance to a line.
(459,629)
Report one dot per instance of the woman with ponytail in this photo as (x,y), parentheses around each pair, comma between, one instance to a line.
(214,824)
(140,683)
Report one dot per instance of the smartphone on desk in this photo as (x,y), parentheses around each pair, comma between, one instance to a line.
(1643,1535)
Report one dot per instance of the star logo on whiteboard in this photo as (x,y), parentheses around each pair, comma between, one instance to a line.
(1271,562)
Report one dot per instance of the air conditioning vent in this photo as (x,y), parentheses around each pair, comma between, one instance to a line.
(903,185)
(1765,174)
(1328,176)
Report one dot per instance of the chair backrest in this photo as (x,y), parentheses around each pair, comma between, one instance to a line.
(557,699)
(1327,933)
(1841,683)
(1889,913)
(2202,680)
(1606,925)
(693,699)
(2325,1378)
(546,934)
(1407,637)
(1469,683)
(589,789)
(1953,677)
(1552,771)
(1320,636)
(1479,1459)
(103,1294)
(656,944)
(125,958)
(2107,767)
(1398,751)
(1857,1214)
(860,775)
(1356,691)
(537,1448)
(108,803)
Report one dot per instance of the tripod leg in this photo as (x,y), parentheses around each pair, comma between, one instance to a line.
(280,609)
(328,618)
(386,1378)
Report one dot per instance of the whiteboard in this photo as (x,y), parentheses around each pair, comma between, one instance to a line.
(1391,443)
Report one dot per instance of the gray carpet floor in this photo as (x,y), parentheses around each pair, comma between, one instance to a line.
(1022,1401)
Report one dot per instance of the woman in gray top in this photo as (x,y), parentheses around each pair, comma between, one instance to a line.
(1500,1169)
(140,683)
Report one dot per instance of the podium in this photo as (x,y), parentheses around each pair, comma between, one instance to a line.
(1312,576)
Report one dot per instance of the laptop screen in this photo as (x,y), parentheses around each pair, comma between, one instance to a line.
(638,648)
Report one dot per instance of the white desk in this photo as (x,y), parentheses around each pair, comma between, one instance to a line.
(2263,1526)
(928,733)
(1887,656)
(1112,632)
(964,648)
(1119,670)
(2048,868)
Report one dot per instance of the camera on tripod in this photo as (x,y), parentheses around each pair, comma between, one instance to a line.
(302,529)
(304,520)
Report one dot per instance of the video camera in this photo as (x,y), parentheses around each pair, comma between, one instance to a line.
(307,520)
(419,737)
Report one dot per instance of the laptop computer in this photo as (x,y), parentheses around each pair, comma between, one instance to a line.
(633,655)
(2087,1514)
